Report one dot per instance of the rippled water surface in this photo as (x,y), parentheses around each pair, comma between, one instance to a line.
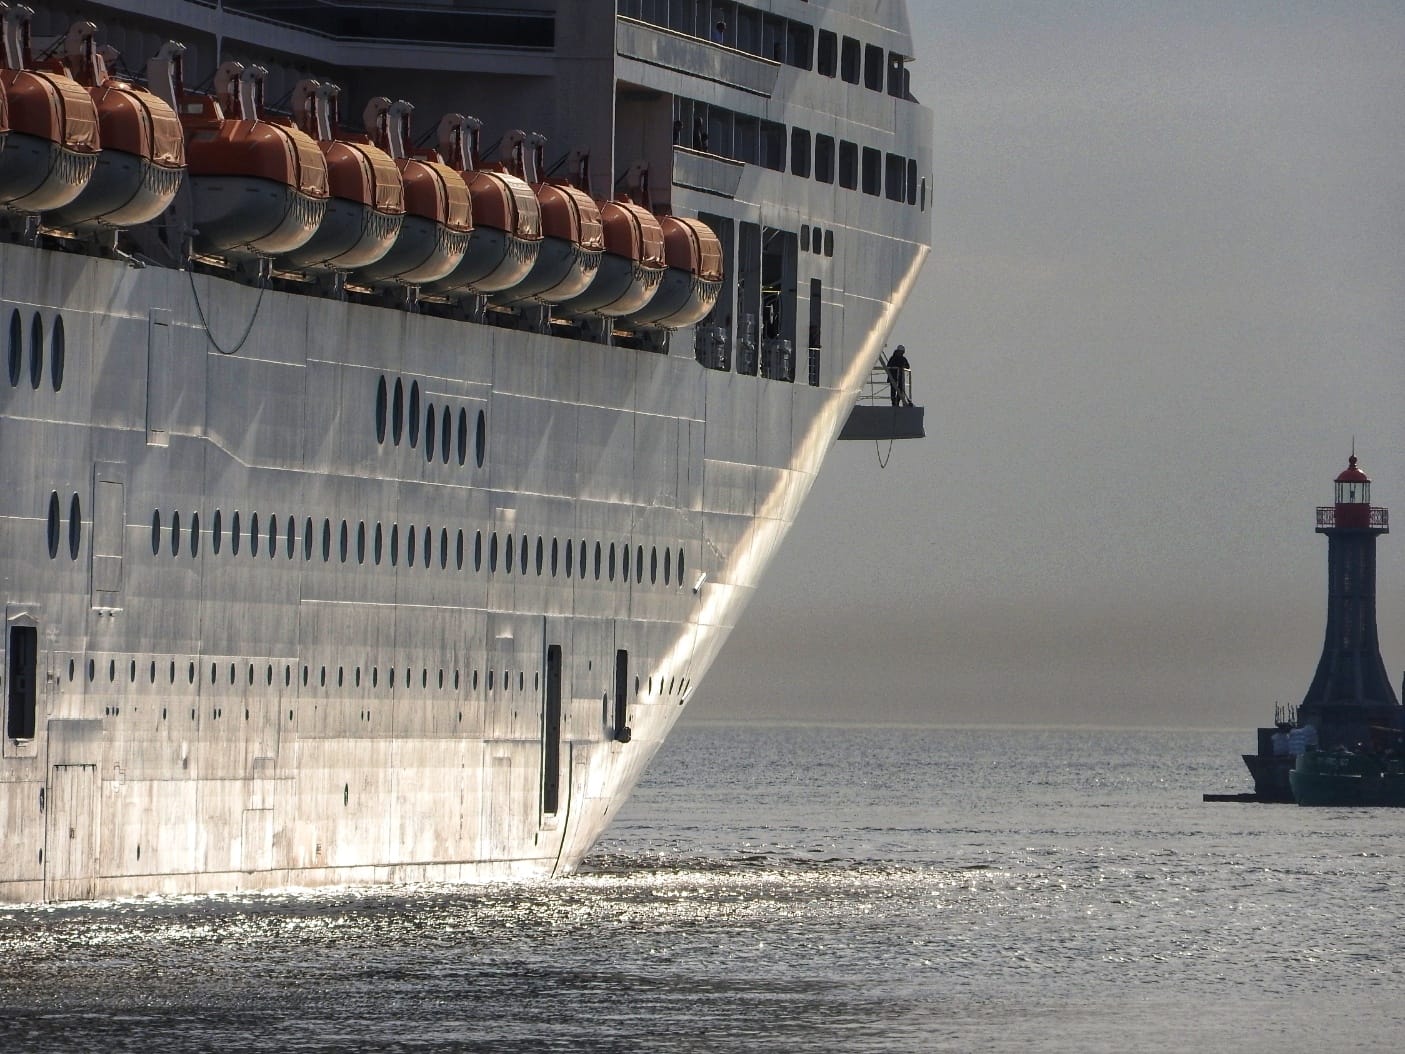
(798,889)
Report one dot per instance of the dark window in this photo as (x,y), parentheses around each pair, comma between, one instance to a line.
(507,562)
(799,45)
(873,67)
(397,413)
(799,152)
(895,177)
(54,528)
(872,171)
(22,682)
(382,407)
(621,715)
(175,534)
(429,432)
(394,544)
(446,435)
(410,547)
(36,351)
(194,529)
(53,531)
(848,164)
(478,550)
(57,352)
(824,158)
(463,437)
(414,413)
(551,732)
(480,439)
(805,237)
(923,195)
(75,527)
(16,348)
(773,146)
(236,536)
(911,182)
(827,58)
(829,243)
(378,546)
(896,78)
(849,60)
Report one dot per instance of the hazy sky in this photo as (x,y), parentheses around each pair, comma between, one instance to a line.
(1167,289)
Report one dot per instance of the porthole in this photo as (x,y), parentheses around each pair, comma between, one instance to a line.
(654,565)
(509,555)
(306,540)
(268,678)
(667,563)
(409,546)
(475,680)
(570,558)
(490,680)
(478,550)
(443,548)
(272,536)
(581,561)
(522,554)
(456,680)
(112,669)
(429,432)
(541,554)
(394,543)
(480,439)
(458,551)
(377,546)
(16,348)
(326,540)
(463,437)
(234,535)
(441,680)
(612,561)
(175,534)
(639,563)
(288,675)
(58,353)
(54,527)
(375,676)
(36,351)
(597,561)
(493,552)
(92,670)
(152,673)
(414,413)
(382,407)
(190,674)
(397,413)
(343,542)
(624,562)
(254,534)
(305,675)
(446,435)
(75,529)
(680,567)
(172,674)
(392,677)
(424,678)
(361,542)
(212,673)
(132,671)
(555,548)
(290,537)
(251,673)
(194,535)
(215,530)
(322,677)
(155,527)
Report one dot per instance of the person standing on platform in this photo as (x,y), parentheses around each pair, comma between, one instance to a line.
(897,376)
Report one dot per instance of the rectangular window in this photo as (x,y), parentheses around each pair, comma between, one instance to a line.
(816,334)
(799,152)
(824,158)
(748,298)
(799,45)
(805,237)
(923,195)
(873,67)
(848,164)
(773,146)
(551,732)
(895,177)
(872,171)
(773,39)
(849,60)
(746,146)
(621,721)
(829,243)
(22,682)
(827,60)
(912,182)
(896,80)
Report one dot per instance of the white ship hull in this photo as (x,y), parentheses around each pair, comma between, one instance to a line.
(325,592)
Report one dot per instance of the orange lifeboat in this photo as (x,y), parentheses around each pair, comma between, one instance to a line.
(507,227)
(143,151)
(52,143)
(572,237)
(633,264)
(692,279)
(438,212)
(366,203)
(259,188)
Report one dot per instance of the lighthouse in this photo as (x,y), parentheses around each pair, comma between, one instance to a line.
(1350,692)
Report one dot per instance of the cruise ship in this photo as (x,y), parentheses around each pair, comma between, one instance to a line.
(403,402)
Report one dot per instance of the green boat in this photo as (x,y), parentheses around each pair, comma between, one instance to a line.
(1342,777)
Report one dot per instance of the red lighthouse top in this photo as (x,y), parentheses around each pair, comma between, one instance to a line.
(1353,503)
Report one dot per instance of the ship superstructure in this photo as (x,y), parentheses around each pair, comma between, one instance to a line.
(394,553)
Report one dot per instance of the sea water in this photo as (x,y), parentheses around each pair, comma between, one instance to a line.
(798,889)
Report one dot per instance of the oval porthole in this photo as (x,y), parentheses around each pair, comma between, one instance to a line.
(235,535)
(554,554)
(410,546)
(326,540)
(667,563)
(342,545)
(493,552)
(306,540)
(194,534)
(597,561)
(382,408)
(75,527)
(478,550)
(570,558)
(480,439)
(443,548)
(429,432)
(155,529)
(458,551)
(639,563)
(522,555)
(654,565)
(57,353)
(541,554)
(414,413)
(680,567)
(361,542)
(16,358)
(175,534)
(624,563)
(54,526)
(394,543)
(446,435)
(378,546)
(273,536)
(254,534)
(509,554)
(397,413)
(463,437)
(36,351)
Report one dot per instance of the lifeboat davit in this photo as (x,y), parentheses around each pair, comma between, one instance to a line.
(51,140)
(692,279)
(366,198)
(259,188)
(143,150)
(507,224)
(573,239)
(633,263)
(438,214)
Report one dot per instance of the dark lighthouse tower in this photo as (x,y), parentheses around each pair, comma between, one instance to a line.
(1351,693)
